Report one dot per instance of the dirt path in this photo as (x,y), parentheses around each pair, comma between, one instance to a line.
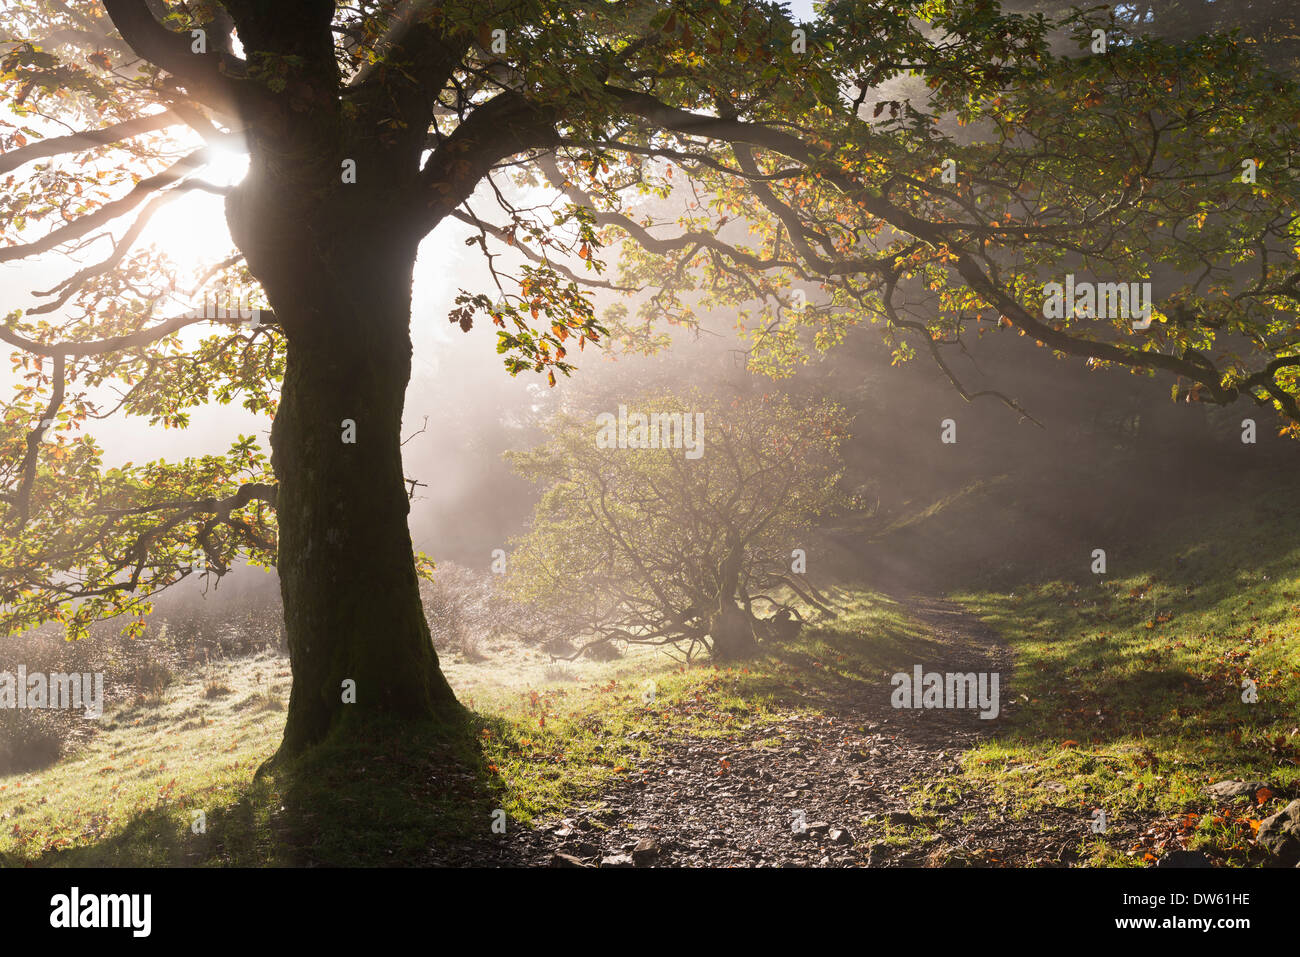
(875,785)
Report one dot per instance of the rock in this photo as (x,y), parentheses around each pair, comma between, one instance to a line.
(559,859)
(1228,790)
(1184,859)
(645,852)
(617,860)
(818,828)
(839,836)
(1279,835)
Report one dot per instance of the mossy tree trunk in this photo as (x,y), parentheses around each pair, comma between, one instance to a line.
(341,291)
(731,628)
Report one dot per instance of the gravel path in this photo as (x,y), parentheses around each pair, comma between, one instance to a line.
(876,786)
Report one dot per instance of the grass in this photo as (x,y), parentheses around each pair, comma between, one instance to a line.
(1129,688)
(130,796)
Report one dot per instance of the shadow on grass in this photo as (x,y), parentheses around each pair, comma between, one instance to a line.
(857,652)
(1162,653)
(378,792)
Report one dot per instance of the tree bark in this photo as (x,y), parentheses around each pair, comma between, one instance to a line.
(731,628)
(732,633)
(347,570)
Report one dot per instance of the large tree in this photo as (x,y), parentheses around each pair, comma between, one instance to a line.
(369,124)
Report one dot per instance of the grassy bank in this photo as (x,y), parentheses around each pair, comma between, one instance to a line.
(1131,684)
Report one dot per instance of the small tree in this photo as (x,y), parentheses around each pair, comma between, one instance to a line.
(642,538)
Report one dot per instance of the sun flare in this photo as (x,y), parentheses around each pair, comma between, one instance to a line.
(176,228)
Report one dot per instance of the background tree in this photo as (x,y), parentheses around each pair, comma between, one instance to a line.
(369,124)
(657,546)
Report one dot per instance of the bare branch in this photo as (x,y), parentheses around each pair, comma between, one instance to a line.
(101,346)
(207,76)
(110,211)
(68,287)
(56,145)
(22,498)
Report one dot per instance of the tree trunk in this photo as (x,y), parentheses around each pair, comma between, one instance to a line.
(732,632)
(731,628)
(347,571)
